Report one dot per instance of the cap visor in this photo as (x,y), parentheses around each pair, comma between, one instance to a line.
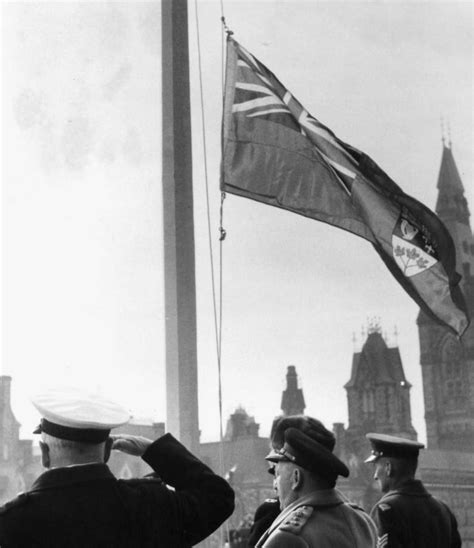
(273,456)
(372,458)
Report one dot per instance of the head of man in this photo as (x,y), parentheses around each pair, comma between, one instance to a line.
(56,452)
(395,460)
(304,462)
(75,426)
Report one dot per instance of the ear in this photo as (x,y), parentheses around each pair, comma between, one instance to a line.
(108,449)
(297,479)
(389,468)
(45,456)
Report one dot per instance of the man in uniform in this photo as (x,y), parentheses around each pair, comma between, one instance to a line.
(78,503)
(313,513)
(407,516)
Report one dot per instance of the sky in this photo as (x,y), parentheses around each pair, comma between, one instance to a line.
(82,238)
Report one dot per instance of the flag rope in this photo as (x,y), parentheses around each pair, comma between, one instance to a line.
(222,234)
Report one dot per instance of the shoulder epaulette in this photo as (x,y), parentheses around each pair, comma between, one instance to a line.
(19,500)
(295,522)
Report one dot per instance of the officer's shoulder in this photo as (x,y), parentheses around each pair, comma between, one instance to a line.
(384,506)
(296,521)
(20,500)
(388,504)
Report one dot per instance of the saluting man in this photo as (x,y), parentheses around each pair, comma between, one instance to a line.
(78,502)
(313,513)
(407,516)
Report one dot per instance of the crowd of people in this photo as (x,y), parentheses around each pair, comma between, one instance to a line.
(78,503)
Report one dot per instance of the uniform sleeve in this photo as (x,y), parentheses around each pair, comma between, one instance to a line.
(389,531)
(203,499)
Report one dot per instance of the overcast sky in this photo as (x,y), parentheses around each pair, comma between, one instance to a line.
(81,171)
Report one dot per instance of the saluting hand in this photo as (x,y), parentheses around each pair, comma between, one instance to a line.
(132,445)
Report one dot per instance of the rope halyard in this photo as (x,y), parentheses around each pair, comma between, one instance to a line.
(222,234)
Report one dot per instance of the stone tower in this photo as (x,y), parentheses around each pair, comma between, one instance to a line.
(447,362)
(378,393)
(17,466)
(292,399)
(378,397)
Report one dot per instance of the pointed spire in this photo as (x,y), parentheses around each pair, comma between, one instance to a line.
(451,203)
(448,172)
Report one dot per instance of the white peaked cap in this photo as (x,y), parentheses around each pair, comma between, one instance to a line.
(76,409)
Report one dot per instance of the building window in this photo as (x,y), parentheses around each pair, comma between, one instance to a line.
(368,403)
(454,388)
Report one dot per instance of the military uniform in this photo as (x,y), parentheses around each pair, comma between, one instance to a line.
(87,507)
(322,519)
(409,517)
(83,505)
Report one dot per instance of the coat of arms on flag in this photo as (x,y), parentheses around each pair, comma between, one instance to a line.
(412,250)
(277,153)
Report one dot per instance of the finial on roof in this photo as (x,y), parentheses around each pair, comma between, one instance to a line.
(450,143)
(442,131)
(373,325)
(395,334)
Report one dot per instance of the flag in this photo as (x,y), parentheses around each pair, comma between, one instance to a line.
(275,152)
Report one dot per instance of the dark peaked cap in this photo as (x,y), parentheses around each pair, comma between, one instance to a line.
(308,453)
(384,445)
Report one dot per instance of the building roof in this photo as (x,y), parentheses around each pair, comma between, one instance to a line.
(377,362)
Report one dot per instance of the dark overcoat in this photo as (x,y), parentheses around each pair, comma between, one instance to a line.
(88,507)
(409,517)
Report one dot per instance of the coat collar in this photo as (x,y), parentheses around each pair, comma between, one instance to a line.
(62,477)
(413,488)
(322,498)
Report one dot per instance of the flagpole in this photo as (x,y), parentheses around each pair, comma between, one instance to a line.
(178,224)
